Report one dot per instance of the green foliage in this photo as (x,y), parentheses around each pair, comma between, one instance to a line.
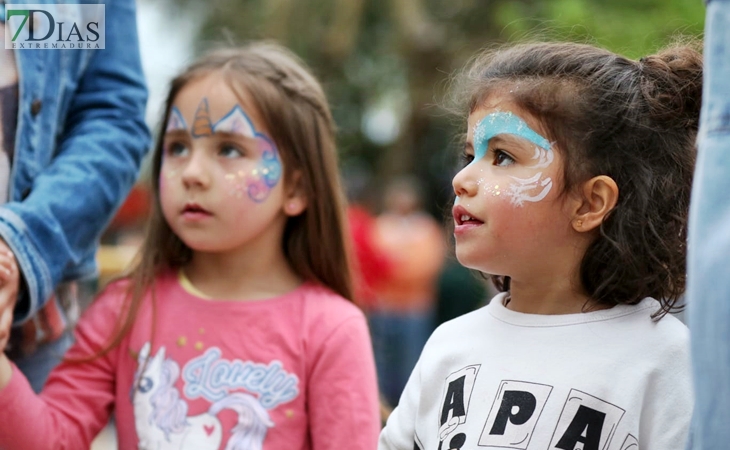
(400,52)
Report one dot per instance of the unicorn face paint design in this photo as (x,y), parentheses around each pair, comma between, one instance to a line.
(220,179)
(175,121)
(521,190)
(507,195)
(257,183)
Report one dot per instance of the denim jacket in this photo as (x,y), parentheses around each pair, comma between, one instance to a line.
(708,250)
(79,143)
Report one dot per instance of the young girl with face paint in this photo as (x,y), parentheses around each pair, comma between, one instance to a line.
(234,329)
(574,196)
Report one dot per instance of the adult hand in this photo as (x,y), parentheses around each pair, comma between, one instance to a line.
(9,282)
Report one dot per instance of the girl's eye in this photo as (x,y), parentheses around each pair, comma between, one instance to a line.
(502,159)
(466,159)
(177,149)
(230,151)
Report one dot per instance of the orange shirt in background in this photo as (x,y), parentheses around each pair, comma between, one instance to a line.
(415,248)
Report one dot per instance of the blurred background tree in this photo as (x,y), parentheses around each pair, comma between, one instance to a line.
(385,63)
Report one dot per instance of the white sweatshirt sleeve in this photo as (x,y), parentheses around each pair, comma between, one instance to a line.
(400,430)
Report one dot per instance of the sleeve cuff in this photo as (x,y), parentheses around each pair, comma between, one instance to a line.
(36,280)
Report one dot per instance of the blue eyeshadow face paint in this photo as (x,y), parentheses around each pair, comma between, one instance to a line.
(503,123)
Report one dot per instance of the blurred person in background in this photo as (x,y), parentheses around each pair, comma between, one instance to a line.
(403,315)
(72,139)
(370,263)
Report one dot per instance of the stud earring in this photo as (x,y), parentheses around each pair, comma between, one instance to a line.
(578,224)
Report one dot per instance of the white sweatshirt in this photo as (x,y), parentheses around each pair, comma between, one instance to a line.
(498,379)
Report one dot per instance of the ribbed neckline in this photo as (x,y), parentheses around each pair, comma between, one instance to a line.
(182,293)
(500,312)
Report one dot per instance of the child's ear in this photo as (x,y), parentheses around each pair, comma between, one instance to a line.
(598,197)
(296,200)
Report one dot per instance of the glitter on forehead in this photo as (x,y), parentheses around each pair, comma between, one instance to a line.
(498,123)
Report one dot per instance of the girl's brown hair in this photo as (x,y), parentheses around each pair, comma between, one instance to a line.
(295,111)
(634,121)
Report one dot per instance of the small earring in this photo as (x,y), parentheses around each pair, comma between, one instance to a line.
(291,206)
(579,224)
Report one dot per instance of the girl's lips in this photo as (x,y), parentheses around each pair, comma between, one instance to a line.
(461,229)
(195,212)
(195,215)
(462,216)
(464,221)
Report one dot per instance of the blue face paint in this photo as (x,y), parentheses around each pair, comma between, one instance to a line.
(503,123)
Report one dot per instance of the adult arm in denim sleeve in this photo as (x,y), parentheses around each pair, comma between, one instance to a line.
(97,161)
(709,242)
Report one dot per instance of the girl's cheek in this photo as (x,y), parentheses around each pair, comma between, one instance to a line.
(256,184)
(249,185)
(491,189)
(168,170)
(162,178)
(238,184)
(521,189)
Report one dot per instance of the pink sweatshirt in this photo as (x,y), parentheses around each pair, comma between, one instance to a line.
(291,372)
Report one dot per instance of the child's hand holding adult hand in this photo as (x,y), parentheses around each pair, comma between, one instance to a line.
(9,282)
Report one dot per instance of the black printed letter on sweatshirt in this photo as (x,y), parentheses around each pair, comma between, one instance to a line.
(525,402)
(454,400)
(586,428)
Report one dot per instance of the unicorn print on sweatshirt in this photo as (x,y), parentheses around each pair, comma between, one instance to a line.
(161,415)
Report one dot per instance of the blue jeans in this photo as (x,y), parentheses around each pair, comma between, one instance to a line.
(398,339)
(39,364)
(709,243)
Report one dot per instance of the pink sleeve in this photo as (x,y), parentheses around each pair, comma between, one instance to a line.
(343,392)
(77,399)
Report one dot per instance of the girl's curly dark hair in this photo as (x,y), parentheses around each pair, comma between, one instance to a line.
(634,121)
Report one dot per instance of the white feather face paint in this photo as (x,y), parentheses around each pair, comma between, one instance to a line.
(544,157)
(522,190)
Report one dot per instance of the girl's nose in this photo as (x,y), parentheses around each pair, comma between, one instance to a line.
(196,172)
(464,184)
